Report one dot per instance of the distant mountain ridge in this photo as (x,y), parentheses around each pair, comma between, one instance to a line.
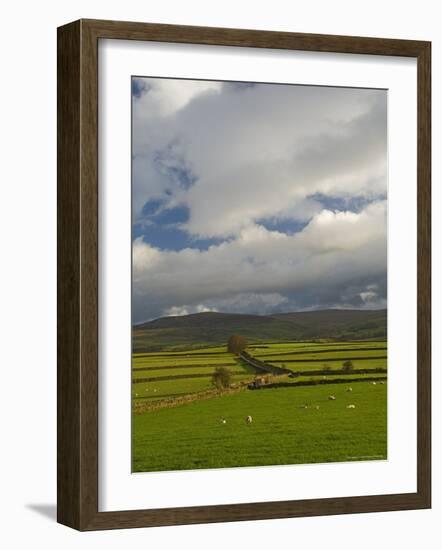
(213,328)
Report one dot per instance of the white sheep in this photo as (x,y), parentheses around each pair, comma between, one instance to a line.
(332,397)
(351,406)
(349,389)
(249,419)
(374,383)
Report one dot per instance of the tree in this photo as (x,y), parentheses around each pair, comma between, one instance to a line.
(347,366)
(236,344)
(222,377)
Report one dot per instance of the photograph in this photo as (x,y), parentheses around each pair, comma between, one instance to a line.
(259,274)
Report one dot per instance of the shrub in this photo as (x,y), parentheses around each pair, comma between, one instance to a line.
(221,378)
(347,366)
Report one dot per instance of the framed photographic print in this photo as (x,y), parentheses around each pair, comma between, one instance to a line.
(243,275)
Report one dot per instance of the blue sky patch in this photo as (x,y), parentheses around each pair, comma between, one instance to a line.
(151,207)
(171,216)
(139,87)
(350,203)
(171,164)
(169,237)
(182,176)
(289,226)
(157,211)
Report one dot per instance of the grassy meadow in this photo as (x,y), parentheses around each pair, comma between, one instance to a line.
(180,421)
(287,428)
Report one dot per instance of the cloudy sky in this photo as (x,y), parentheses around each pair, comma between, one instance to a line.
(257,198)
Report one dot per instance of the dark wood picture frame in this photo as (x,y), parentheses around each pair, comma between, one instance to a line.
(77,460)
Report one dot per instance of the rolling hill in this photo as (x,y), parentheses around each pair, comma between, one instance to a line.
(212,328)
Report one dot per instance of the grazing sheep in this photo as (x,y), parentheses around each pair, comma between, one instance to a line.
(249,419)
(223,421)
(317,407)
(332,397)
(351,406)
(381,382)
(349,389)
(374,383)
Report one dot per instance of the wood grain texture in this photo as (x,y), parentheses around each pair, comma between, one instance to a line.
(252,38)
(424,274)
(77,167)
(68,276)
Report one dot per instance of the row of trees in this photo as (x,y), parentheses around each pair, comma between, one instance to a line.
(347,366)
(222,377)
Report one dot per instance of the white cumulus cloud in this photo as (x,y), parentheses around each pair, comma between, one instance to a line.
(269,175)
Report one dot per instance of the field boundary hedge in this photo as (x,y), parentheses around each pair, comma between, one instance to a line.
(179,354)
(261,366)
(187,366)
(329,360)
(171,377)
(316,383)
(339,350)
(162,403)
(337,372)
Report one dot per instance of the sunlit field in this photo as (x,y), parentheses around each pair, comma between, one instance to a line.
(181,421)
(290,426)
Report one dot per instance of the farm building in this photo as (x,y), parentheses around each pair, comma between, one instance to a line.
(258,382)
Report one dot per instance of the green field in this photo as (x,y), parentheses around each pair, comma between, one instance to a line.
(175,374)
(283,431)
(172,388)
(167,374)
(177,424)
